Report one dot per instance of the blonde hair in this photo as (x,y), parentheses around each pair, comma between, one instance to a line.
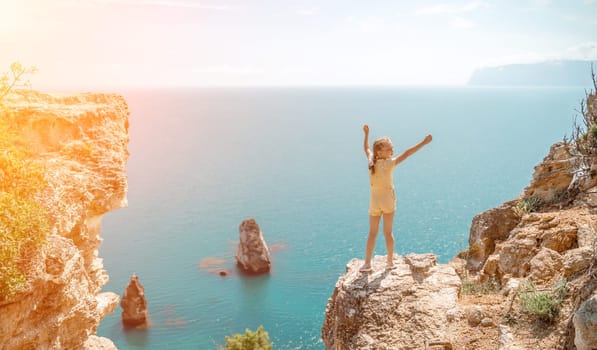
(377,146)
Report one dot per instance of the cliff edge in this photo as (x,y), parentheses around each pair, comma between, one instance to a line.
(81,141)
(536,250)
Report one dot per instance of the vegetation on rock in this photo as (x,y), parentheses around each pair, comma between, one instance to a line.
(584,135)
(24,222)
(257,340)
(543,304)
(527,206)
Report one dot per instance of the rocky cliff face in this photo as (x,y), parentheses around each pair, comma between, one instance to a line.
(547,234)
(391,309)
(82,142)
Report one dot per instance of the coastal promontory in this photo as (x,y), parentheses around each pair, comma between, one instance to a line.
(80,142)
(528,279)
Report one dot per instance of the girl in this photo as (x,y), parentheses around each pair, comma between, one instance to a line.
(383,198)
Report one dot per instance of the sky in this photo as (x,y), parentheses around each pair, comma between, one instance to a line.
(169,43)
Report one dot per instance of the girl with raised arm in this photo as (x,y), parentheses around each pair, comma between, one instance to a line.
(383,198)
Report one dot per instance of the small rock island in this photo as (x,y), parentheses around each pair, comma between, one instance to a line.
(253,255)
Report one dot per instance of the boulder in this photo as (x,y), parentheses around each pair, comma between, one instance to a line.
(506,339)
(99,343)
(487,228)
(134,305)
(553,175)
(585,325)
(515,253)
(559,237)
(545,265)
(474,315)
(578,259)
(252,255)
(392,309)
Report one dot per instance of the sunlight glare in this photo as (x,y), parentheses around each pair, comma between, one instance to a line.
(9,16)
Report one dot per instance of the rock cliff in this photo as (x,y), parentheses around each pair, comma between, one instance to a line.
(82,142)
(525,247)
(371,311)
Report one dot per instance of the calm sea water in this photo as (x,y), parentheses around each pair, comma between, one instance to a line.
(202,160)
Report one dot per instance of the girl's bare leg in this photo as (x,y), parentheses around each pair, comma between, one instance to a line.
(373,229)
(388,220)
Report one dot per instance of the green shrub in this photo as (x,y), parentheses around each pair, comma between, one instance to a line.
(23,222)
(258,340)
(544,305)
(593,131)
(472,287)
(528,205)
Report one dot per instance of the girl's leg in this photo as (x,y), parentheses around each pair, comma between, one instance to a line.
(388,220)
(373,229)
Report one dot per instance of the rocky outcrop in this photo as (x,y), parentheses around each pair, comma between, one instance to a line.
(487,228)
(391,309)
(134,305)
(82,143)
(252,255)
(547,234)
(585,324)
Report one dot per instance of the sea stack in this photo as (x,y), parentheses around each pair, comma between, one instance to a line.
(253,254)
(134,305)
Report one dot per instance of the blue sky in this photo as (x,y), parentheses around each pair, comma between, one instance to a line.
(121,43)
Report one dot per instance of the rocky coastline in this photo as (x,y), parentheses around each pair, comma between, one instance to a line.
(81,140)
(546,236)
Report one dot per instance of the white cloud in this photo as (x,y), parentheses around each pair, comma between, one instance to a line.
(226,69)
(433,10)
(308,12)
(442,9)
(165,3)
(542,3)
(582,52)
(523,58)
(188,4)
(369,24)
(463,23)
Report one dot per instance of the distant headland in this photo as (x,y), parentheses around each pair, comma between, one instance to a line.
(549,73)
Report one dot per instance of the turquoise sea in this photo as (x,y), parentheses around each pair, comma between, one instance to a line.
(202,160)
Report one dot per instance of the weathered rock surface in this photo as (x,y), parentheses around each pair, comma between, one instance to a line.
(553,175)
(391,309)
(134,305)
(539,245)
(585,325)
(252,255)
(82,142)
(487,228)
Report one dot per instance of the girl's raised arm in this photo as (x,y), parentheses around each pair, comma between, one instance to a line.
(412,150)
(366,142)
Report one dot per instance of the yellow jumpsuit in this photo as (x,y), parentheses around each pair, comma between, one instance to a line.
(383,197)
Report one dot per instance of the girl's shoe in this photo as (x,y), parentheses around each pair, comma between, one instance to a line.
(365,268)
(391,266)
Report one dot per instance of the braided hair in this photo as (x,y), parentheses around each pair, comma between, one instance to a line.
(377,145)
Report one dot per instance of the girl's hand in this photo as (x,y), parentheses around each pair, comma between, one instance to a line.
(366,128)
(428,138)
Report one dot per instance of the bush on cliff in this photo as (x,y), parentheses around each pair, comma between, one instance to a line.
(258,340)
(15,79)
(23,221)
(584,135)
(544,305)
